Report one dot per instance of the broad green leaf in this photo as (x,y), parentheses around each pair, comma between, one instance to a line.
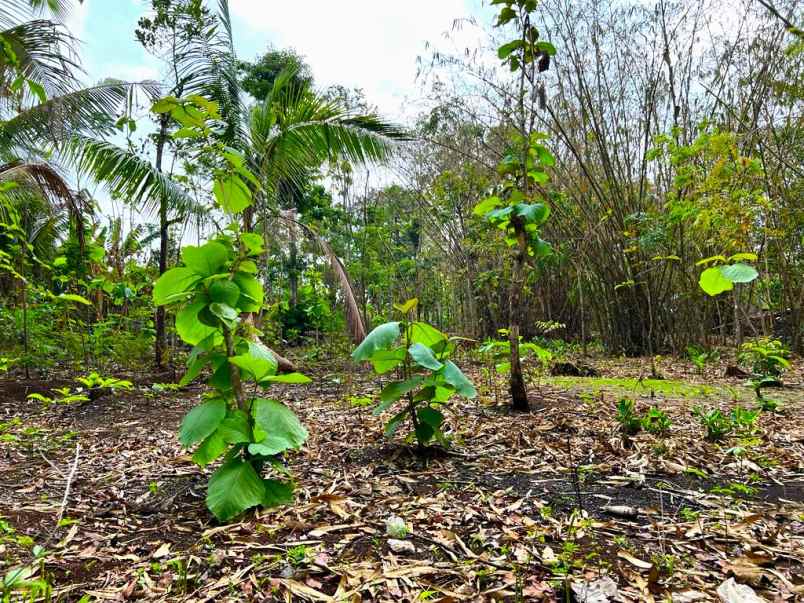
(206,260)
(506,49)
(424,433)
(225,292)
(545,156)
(395,390)
(232,193)
(430,416)
(74,298)
(546,47)
(739,273)
(538,176)
(408,306)
(210,450)
(379,339)
(187,133)
(224,312)
(286,378)
(506,14)
(536,213)
(211,107)
(165,105)
(277,428)
(541,248)
(248,267)
(442,394)
(188,326)
(454,376)
(421,332)
(392,425)
(234,488)
(253,242)
(235,428)
(486,205)
(194,367)
(174,285)
(713,282)
(386,360)
(258,361)
(221,378)
(201,421)
(251,293)
(277,493)
(424,357)
(500,214)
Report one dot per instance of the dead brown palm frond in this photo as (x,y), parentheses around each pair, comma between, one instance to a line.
(354,319)
(52,186)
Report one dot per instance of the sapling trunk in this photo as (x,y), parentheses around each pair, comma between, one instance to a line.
(234,371)
(519,394)
(25,337)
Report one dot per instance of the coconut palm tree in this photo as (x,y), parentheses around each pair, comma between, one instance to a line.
(286,136)
(291,134)
(43,103)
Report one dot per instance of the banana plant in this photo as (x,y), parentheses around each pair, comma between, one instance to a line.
(427,379)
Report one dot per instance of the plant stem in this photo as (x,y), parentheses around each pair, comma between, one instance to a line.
(234,372)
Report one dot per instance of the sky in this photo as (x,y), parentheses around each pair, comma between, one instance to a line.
(367,44)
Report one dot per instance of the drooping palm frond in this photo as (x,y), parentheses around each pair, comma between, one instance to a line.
(47,182)
(354,319)
(21,9)
(44,51)
(91,110)
(127,175)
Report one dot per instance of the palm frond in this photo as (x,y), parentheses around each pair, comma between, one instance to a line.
(91,110)
(126,175)
(49,183)
(354,319)
(45,52)
(295,129)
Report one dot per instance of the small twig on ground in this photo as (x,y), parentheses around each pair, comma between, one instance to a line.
(49,462)
(69,484)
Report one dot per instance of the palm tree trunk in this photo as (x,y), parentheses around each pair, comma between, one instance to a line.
(293,270)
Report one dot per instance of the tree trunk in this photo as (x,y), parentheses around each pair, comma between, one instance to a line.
(519,394)
(159,343)
(293,274)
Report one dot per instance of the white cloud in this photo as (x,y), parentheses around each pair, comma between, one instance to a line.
(77,18)
(369,44)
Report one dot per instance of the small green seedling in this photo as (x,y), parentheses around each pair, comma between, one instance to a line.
(717,424)
(428,379)
(656,421)
(627,418)
(744,419)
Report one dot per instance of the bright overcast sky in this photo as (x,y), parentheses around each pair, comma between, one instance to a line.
(368,44)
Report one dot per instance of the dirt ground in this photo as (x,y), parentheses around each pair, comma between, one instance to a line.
(523,507)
